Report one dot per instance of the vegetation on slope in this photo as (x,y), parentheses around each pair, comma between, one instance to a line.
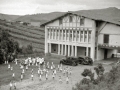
(107,81)
(25,34)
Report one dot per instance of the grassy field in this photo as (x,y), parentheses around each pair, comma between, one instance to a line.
(50,84)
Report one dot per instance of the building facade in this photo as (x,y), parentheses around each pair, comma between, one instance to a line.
(77,35)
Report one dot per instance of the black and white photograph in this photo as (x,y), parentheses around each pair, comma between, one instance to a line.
(59,44)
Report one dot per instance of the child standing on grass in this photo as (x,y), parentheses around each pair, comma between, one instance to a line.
(60,80)
(53,75)
(8,66)
(11,68)
(40,78)
(55,71)
(13,75)
(58,68)
(23,71)
(31,71)
(26,68)
(21,76)
(46,76)
(11,85)
(14,85)
(67,79)
(32,76)
(6,62)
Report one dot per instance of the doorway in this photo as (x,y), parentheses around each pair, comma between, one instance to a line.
(105,53)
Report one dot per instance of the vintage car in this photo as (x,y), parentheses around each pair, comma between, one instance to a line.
(69,61)
(85,60)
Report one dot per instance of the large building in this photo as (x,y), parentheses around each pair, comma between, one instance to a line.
(93,33)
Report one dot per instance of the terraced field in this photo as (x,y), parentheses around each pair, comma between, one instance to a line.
(25,35)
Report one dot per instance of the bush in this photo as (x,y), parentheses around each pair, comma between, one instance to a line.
(27,50)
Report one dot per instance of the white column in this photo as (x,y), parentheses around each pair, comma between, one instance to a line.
(76,36)
(68,35)
(86,51)
(58,49)
(46,44)
(72,54)
(83,35)
(49,48)
(65,50)
(62,35)
(68,50)
(93,41)
(62,50)
(55,35)
(49,33)
(79,35)
(59,34)
(75,51)
(87,36)
(72,36)
(65,35)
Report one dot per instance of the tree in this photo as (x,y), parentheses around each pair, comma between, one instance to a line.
(8,47)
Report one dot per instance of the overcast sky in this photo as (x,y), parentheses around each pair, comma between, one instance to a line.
(23,7)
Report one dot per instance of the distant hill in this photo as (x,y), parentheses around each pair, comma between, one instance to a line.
(8,17)
(25,35)
(43,17)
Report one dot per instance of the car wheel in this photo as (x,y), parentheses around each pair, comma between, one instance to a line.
(91,63)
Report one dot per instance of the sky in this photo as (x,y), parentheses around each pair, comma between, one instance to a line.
(24,7)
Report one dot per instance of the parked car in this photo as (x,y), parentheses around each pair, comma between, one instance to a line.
(85,60)
(69,61)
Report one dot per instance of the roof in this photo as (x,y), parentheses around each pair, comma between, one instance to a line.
(111,15)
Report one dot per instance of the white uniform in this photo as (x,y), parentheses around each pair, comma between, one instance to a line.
(9,66)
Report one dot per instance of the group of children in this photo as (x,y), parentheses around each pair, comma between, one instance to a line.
(46,70)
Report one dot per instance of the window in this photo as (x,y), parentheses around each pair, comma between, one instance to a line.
(89,36)
(82,21)
(67,35)
(85,36)
(70,35)
(106,38)
(60,21)
(74,35)
(63,34)
(81,36)
(77,35)
(57,34)
(70,18)
(50,34)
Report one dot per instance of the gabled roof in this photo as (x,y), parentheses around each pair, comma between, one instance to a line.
(111,15)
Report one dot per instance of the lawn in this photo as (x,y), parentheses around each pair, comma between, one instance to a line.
(50,84)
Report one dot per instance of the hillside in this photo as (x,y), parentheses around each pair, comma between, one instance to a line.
(8,17)
(25,35)
(42,17)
